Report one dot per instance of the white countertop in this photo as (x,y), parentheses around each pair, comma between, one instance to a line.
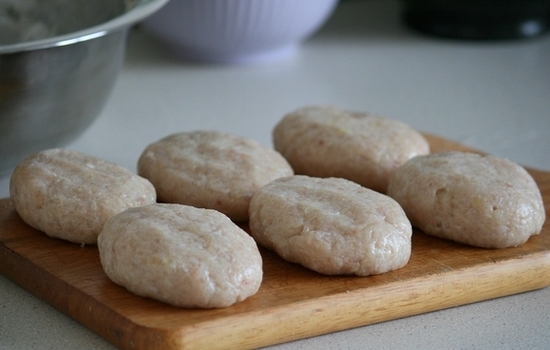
(492,96)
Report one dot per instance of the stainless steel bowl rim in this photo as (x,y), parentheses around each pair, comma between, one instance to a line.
(141,10)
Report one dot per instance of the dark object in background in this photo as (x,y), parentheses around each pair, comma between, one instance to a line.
(478,19)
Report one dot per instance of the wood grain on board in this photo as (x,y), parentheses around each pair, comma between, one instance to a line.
(292,302)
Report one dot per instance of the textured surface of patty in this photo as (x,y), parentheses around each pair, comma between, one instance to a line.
(326,141)
(484,201)
(331,225)
(181,255)
(70,195)
(212,170)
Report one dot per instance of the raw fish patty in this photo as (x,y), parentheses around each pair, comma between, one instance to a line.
(484,201)
(331,225)
(181,255)
(70,195)
(209,169)
(326,141)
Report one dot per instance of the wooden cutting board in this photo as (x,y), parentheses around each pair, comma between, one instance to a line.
(292,302)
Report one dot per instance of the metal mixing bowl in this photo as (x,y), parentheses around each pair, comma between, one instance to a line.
(59,60)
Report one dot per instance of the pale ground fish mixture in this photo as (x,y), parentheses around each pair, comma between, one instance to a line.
(484,201)
(69,195)
(181,255)
(326,141)
(332,225)
(212,170)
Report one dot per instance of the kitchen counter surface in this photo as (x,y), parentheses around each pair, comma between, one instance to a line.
(493,96)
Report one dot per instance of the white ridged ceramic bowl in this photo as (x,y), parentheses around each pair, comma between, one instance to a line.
(238,31)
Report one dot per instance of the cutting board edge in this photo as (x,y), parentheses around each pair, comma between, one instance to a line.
(534,270)
(61,294)
(339,312)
